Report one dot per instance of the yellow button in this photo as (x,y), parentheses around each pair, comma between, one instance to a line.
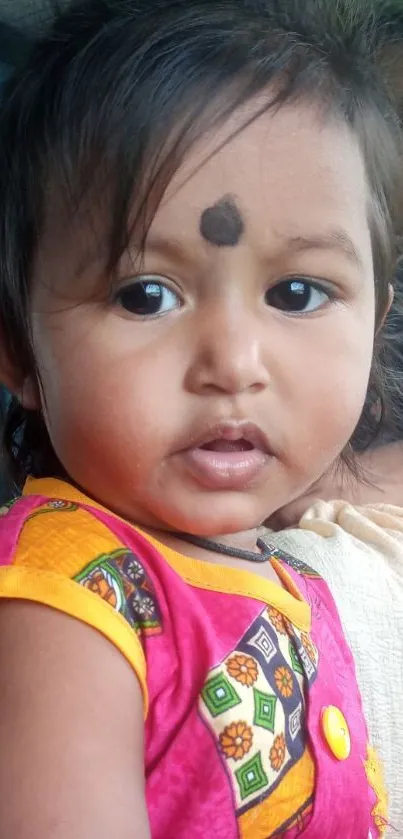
(336,732)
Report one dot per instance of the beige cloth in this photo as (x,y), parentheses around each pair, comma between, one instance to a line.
(359,552)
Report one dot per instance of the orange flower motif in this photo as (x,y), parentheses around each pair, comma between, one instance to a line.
(284,681)
(243,668)
(277,753)
(277,619)
(99,585)
(236,740)
(308,646)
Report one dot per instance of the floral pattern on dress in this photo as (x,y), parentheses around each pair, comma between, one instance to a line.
(54,505)
(253,703)
(121,581)
(236,740)
(308,645)
(277,619)
(243,669)
(277,753)
(284,681)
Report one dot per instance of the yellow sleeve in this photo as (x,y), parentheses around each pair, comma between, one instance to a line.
(67,559)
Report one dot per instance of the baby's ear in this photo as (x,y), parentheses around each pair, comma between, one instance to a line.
(23,387)
(28,394)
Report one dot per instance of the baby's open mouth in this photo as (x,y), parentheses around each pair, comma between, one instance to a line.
(232,459)
(240,445)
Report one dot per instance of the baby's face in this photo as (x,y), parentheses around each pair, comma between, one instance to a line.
(223,375)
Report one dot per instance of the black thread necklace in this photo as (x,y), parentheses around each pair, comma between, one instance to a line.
(227,550)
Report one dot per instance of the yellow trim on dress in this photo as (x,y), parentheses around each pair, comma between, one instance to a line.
(59,592)
(198,573)
(226,580)
(375,776)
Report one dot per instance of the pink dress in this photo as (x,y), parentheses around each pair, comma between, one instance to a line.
(236,673)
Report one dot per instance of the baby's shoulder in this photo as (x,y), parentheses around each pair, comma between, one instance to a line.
(51,534)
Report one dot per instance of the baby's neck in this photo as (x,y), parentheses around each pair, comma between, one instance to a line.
(245,540)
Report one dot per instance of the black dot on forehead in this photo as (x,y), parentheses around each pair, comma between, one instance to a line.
(222,224)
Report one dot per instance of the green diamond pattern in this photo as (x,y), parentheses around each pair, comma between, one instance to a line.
(265,710)
(296,664)
(219,695)
(251,777)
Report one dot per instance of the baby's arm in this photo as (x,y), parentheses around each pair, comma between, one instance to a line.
(71,731)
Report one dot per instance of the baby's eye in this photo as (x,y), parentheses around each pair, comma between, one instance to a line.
(147,297)
(296,295)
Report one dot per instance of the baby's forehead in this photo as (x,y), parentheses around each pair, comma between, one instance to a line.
(286,173)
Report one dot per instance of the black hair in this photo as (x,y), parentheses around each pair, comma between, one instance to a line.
(118,91)
(382,417)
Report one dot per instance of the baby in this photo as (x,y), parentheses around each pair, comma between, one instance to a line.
(196,253)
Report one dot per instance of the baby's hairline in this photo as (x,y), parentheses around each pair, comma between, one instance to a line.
(135,235)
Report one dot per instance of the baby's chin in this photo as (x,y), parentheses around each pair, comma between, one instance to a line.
(216,519)
(176,506)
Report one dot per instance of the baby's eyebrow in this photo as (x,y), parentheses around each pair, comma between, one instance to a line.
(337,239)
(171,248)
(166,247)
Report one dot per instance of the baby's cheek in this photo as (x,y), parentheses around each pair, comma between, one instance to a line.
(328,417)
